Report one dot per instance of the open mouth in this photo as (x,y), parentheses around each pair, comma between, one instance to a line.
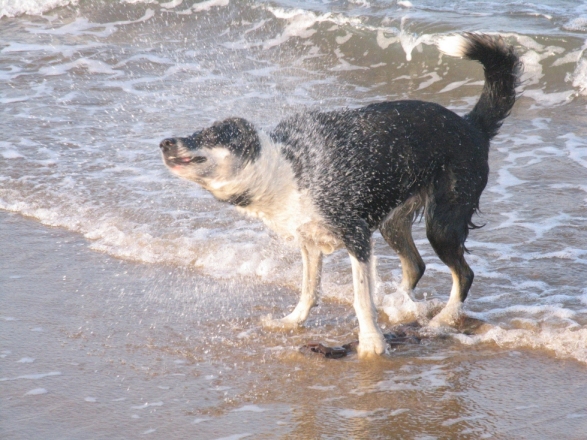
(186,160)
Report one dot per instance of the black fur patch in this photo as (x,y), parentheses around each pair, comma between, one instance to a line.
(237,135)
(242,199)
(363,163)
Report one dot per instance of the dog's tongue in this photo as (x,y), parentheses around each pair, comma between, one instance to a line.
(182,160)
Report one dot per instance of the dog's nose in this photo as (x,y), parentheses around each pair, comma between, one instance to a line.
(167,144)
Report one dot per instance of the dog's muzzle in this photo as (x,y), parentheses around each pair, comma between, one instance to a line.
(168,145)
(174,152)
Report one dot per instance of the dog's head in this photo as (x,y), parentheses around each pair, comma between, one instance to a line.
(213,154)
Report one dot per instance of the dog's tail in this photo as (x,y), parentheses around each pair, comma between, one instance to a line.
(502,71)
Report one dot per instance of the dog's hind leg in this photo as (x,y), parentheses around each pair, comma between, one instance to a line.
(447,230)
(357,240)
(312,271)
(397,232)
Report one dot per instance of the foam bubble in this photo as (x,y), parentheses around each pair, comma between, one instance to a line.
(249,408)
(549,99)
(322,388)
(354,413)
(82,26)
(576,415)
(345,65)
(383,41)
(400,307)
(450,422)
(171,4)
(341,40)
(579,77)
(36,392)
(454,85)
(576,147)
(576,24)
(32,376)
(434,77)
(570,57)
(410,41)
(8,152)
(147,405)
(13,8)
(236,436)
(299,25)
(91,66)
(533,70)
(209,4)
(425,378)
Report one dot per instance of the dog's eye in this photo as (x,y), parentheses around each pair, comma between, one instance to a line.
(199,159)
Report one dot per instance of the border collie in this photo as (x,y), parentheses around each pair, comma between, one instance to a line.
(328,180)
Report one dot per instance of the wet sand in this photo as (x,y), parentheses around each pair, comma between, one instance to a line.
(94,347)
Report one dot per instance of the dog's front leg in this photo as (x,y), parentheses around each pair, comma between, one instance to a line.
(357,239)
(312,268)
(312,271)
(371,340)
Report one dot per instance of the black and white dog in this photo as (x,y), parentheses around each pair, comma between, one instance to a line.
(329,180)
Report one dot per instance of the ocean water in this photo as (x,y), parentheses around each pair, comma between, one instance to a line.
(89,88)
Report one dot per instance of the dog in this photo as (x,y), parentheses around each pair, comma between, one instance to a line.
(328,180)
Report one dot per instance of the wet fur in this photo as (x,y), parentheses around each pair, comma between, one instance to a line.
(328,180)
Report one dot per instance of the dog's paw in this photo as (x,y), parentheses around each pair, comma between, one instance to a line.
(286,323)
(450,316)
(371,345)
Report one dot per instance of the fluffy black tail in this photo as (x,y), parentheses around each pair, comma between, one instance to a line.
(502,71)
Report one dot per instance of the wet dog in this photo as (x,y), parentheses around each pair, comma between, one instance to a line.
(328,180)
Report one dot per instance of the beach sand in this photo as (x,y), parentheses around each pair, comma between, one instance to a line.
(95,347)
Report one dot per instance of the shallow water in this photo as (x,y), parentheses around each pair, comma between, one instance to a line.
(88,90)
(95,347)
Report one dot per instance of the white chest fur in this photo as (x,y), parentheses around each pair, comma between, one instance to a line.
(285,214)
(276,199)
(275,196)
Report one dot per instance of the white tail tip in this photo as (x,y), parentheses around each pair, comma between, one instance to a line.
(453,45)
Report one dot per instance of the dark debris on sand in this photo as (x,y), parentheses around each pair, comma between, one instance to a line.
(401,335)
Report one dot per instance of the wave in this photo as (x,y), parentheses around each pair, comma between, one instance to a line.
(567,343)
(14,8)
(94,90)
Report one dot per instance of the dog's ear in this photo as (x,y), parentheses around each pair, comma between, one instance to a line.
(239,136)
